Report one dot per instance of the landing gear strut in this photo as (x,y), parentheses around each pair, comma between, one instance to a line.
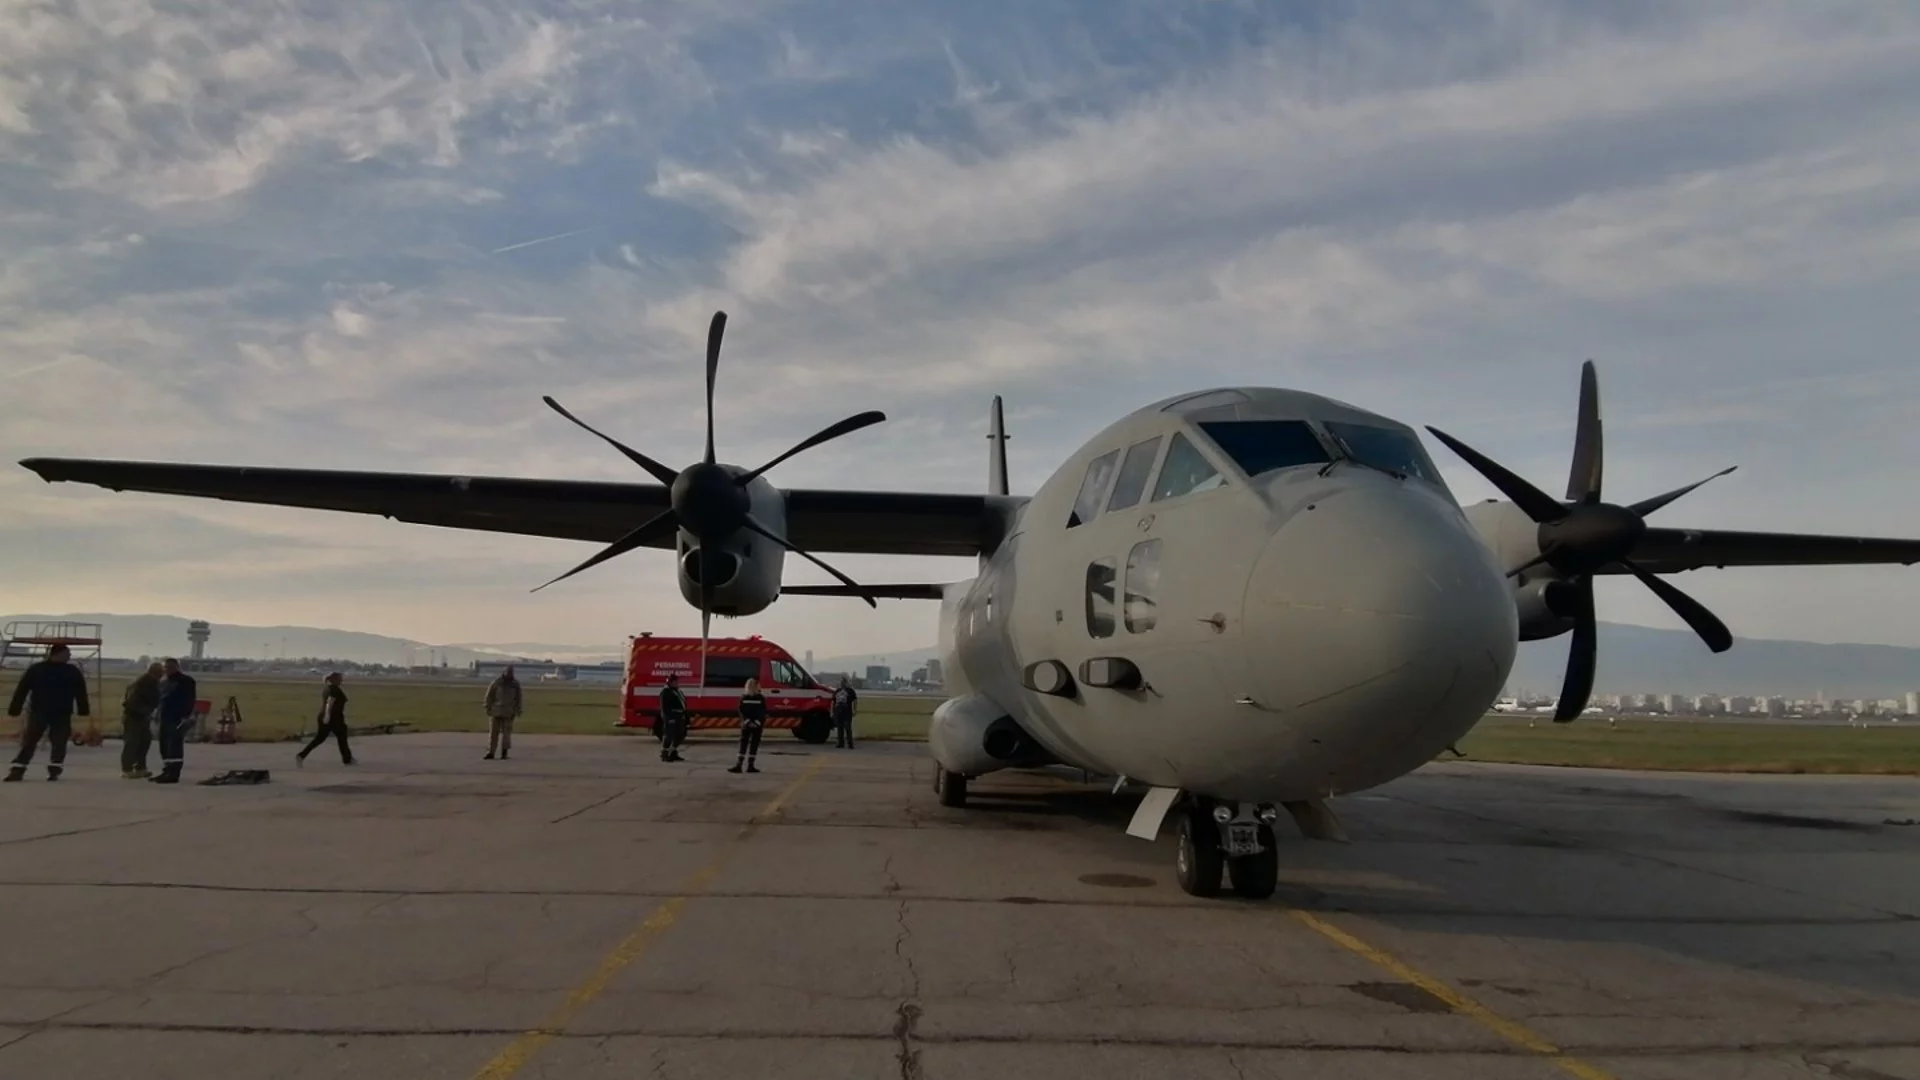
(1231,839)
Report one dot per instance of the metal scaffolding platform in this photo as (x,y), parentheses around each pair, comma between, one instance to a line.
(27,641)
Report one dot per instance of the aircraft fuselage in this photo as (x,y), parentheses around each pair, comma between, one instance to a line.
(1302,622)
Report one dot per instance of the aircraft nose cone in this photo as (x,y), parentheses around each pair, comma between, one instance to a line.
(1378,629)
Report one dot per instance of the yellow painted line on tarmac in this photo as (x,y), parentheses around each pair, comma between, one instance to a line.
(1512,1032)
(515,1056)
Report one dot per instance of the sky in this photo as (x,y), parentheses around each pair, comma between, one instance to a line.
(371,236)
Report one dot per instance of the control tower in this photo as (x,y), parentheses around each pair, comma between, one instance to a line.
(197,634)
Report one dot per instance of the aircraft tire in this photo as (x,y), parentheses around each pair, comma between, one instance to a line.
(1255,877)
(1197,861)
(813,728)
(952,788)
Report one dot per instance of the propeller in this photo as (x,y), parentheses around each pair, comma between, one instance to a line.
(708,499)
(1584,535)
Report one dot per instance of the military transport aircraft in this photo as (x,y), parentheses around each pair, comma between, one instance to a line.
(1248,600)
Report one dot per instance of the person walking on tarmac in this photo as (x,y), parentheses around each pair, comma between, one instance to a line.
(753,717)
(57,689)
(841,708)
(178,694)
(331,721)
(502,705)
(673,719)
(137,708)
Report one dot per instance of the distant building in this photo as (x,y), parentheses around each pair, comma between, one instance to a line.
(1913,703)
(878,673)
(934,673)
(198,631)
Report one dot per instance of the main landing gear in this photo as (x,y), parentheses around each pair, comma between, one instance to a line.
(1229,838)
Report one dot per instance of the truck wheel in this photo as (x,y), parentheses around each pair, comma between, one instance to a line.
(814,727)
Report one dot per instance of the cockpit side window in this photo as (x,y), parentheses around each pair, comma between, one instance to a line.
(1264,446)
(1100,599)
(1086,505)
(1385,448)
(1185,471)
(1134,472)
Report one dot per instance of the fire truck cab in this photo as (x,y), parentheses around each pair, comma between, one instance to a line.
(794,699)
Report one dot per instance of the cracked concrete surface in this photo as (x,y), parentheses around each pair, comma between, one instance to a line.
(415,915)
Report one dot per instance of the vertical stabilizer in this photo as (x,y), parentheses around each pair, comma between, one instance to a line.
(997,453)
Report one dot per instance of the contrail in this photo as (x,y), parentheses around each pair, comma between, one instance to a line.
(40,367)
(530,243)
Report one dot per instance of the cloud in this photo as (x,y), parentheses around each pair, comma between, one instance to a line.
(256,234)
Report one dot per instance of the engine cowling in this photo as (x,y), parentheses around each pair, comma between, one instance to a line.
(1546,609)
(973,735)
(746,573)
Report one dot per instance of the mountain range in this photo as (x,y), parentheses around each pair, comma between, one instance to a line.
(1633,659)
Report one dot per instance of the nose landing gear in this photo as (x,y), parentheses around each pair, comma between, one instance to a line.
(1219,838)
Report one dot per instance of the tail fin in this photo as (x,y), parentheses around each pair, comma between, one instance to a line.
(997,454)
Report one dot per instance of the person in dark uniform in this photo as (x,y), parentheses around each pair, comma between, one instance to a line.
(57,689)
(673,719)
(178,693)
(331,721)
(753,717)
(137,708)
(842,711)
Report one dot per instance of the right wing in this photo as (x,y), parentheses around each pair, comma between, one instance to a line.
(863,522)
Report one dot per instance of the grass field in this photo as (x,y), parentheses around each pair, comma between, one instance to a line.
(277,710)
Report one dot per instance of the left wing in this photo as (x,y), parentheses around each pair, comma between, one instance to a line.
(865,522)
(1670,551)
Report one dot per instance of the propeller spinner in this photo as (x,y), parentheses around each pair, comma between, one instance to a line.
(1584,535)
(709,500)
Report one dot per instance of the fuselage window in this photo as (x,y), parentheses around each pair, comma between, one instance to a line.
(1100,575)
(1385,448)
(1185,471)
(1134,472)
(1143,586)
(1093,488)
(1264,446)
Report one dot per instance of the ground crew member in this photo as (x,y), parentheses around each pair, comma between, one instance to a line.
(57,689)
(331,721)
(753,717)
(842,710)
(178,694)
(502,705)
(673,719)
(137,708)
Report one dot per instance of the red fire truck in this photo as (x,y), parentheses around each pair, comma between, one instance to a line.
(794,699)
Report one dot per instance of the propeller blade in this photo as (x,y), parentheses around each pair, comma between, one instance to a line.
(654,527)
(845,427)
(706,611)
(714,333)
(1582,656)
(1589,452)
(1537,504)
(783,542)
(660,472)
(1648,506)
(1704,623)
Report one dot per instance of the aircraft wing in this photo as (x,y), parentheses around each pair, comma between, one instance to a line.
(870,522)
(1669,551)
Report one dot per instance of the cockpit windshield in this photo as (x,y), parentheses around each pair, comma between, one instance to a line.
(1263,446)
(1385,448)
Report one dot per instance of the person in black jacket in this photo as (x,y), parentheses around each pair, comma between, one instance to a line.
(672,720)
(178,694)
(137,708)
(753,717)
(57,689)
(332,721)
(841,709)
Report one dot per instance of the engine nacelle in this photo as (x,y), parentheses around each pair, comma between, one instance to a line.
(1546,609)
(973,735)
(746,566)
